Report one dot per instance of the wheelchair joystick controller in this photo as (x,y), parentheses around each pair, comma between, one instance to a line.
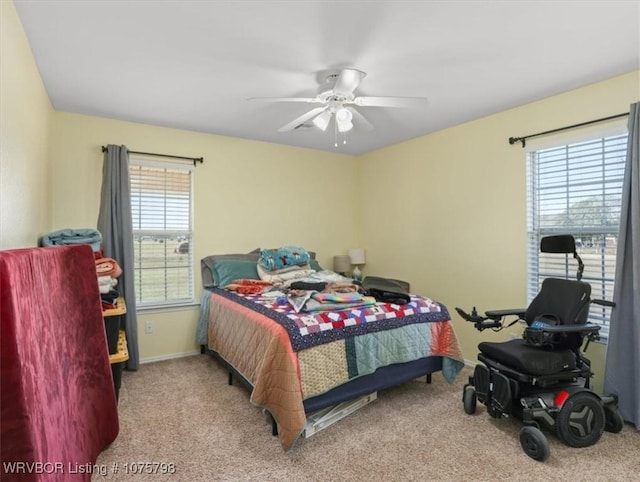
(479,322)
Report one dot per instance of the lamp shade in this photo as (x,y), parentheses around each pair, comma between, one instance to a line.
(322,120)
(341,264)
(356,255)
(343,119)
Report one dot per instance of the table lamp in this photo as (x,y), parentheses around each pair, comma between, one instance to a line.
(341,264)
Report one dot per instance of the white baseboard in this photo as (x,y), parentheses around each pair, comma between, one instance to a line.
(170,356)
(470,363)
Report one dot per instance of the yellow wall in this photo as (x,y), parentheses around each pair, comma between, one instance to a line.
(459,206)
(25,118)
(247,195)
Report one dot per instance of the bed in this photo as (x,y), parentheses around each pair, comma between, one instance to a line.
(309,368)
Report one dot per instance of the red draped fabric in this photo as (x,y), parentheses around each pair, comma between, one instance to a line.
(58,403)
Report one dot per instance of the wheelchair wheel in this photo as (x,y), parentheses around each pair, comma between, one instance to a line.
(469,400)
(613,420)
(581,420)
(534,443)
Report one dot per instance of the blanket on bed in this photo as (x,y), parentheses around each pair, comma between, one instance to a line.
(250,334)
(310,329)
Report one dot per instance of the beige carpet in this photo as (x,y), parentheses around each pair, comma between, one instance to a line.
(183,412)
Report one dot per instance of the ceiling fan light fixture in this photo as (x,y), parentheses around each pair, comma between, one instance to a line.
(345,126)
(343,119)
(322,121)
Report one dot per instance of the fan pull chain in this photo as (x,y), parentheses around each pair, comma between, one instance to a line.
(335,134)
(344,141)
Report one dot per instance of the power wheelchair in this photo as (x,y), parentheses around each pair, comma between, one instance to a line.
(543,377)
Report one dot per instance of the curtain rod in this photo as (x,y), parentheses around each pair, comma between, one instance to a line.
(194,159)
(513,140)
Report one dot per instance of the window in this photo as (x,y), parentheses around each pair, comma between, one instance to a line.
(161,208)
(576,189)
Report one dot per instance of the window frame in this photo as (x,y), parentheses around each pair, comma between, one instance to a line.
(602,287)
(170,303)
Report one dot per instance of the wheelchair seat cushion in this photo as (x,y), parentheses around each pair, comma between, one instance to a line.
(520,356)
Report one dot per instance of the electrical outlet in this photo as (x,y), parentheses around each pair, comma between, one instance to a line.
(148,327)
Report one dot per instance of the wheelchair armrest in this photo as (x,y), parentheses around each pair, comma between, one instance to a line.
(499,314)
(610,304)
(542,334)
(586,328)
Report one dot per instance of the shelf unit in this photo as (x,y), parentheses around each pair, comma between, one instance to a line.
(121,354)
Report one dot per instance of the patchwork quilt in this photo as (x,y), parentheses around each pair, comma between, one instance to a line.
(311,329)
(289,356)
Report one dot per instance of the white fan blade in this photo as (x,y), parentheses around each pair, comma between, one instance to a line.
(348,81)
(310,100)
(360,120)
(388,101)
(300,120)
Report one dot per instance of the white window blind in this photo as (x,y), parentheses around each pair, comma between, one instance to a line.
(576,189)
(161,208)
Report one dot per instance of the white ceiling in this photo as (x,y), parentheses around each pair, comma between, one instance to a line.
(192,64)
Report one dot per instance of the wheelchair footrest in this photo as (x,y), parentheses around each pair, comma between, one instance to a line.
(501,393)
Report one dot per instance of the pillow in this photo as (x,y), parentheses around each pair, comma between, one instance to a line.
(208,273)
(283,257)
(226,271)
(284,276)
(314,265)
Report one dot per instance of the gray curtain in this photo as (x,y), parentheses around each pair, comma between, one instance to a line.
(115,225)
(622,374)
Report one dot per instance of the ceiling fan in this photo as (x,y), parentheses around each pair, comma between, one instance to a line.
(338,101)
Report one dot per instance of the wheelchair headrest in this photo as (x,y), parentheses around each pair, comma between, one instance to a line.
(565,244)
(558,244)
